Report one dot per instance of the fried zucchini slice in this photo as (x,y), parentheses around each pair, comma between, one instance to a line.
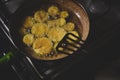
(42,46)
(29,21)
(57,22)
(64,14)
(53,23)
(69,26)
(28,39)
(61,21)
(41,16)
(39,29)
(53,10)
(56,34)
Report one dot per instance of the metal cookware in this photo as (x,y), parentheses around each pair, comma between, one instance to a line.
(78,16)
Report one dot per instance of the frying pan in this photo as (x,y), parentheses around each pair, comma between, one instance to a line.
(78,15)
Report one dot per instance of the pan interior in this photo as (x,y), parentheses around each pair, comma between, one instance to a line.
(30,8)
